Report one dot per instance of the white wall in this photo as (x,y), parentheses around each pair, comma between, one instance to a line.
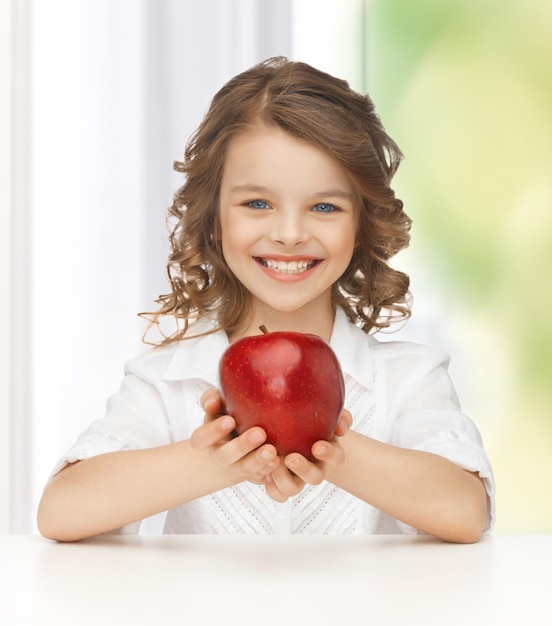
(14,275)
(6,62)
(331,35)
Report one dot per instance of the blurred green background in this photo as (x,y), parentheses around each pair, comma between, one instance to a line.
(465,87)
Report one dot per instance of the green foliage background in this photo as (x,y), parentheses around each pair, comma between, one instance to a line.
(465,87)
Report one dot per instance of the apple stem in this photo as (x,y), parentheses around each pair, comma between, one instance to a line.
(263,329)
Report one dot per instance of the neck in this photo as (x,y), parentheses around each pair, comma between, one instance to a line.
(274,321)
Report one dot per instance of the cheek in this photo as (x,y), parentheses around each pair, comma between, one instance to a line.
(227,231)
(238,230)
(231,236)
(236,239)
(345,244)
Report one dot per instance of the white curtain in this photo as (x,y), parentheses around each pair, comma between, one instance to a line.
(14,264)
(98,99)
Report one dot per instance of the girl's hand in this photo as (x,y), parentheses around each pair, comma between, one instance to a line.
(246,456)
(296,471)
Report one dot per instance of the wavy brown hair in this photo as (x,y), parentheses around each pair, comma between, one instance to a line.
(316,107)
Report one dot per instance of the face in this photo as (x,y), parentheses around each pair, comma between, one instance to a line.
(288,223)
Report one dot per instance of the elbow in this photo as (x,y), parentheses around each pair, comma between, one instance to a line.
(50,520)
(470,533)
(471,512)
(56,532)
(461,531)
(46,528)
(475,527)
(56,511)
(46,522)
(469,523)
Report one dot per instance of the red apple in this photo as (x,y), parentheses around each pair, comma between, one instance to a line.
(290,384)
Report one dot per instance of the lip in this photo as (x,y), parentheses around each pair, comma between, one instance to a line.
(288,257)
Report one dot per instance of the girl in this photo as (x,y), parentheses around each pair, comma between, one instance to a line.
(287,219)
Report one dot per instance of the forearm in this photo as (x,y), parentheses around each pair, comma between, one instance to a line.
(421,489)
(108,491)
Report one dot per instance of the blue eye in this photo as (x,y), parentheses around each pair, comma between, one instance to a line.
(324,207)
(258,204)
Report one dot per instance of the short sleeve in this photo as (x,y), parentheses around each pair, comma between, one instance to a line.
(135,418)
(430,419)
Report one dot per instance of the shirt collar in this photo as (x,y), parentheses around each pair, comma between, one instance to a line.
(352,348)
(198,357)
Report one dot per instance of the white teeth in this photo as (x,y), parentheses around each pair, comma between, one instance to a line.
(293,267)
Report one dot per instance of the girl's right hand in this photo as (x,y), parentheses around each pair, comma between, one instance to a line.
(246,456)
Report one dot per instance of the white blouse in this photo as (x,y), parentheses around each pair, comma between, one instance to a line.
(397,392)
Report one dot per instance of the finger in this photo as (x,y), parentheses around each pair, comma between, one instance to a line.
(273,491)
(259,463)
(239,447)
(304,469)
(328,452)
(287,482)
(211,400)
(344,424)
(209,396)
(213,432)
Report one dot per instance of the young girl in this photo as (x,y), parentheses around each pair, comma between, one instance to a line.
(287,219)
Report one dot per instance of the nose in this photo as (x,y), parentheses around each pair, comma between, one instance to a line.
(289,228)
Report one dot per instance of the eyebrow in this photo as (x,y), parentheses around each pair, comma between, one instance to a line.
(334,193)
(329,193)
(255,188)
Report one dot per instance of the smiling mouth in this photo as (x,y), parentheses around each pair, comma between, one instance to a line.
(288,267)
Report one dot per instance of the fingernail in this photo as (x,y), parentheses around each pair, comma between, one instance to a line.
(319,450)
(255,437)
(267,454)
(227,422)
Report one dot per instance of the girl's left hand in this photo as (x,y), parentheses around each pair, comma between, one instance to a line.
(296,471)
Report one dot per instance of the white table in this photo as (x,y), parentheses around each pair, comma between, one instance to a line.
(184,579)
